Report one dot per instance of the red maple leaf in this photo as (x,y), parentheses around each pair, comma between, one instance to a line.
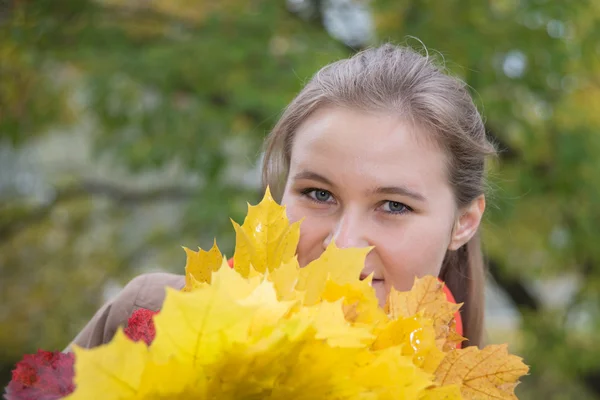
(140,326)
(46,375)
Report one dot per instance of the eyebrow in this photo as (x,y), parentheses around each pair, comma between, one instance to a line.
(313,176)
(395,190)
(400,190)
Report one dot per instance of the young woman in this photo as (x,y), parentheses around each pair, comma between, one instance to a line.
(382,149)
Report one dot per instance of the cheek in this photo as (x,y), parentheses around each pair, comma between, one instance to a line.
(313,233)
(292,209)
(415,253)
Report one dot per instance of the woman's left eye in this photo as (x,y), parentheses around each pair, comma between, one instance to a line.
(395,207)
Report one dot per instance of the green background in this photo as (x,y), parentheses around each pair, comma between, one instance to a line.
(129,128)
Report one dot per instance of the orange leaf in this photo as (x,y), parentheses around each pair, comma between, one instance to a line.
(427,297)
(490,373)
(360,303)
(451,392)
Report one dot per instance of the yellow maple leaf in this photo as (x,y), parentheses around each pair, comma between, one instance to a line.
(268,310)
(331,325)
(448,338)
(359,301)
(333,276)
(428,298)
(341,266)
(116,368)
(490,373)
(314,370)
(404,331)
(388,374)
(416,338)
(297,361)
(285,279)
(266,239)
(172,379)
(192,284)
(197,326)
(200,265)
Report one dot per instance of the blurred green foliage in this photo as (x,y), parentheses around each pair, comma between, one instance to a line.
(191,88)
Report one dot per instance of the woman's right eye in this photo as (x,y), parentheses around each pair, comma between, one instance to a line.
(318,195)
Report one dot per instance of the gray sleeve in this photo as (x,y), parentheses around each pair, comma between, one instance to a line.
(145,291)
(103,325)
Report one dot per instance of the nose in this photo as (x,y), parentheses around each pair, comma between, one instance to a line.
(349,230)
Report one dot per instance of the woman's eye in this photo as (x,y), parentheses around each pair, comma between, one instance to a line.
(395,207)
(320,195)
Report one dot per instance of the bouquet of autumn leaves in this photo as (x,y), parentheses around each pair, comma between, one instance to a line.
(268,329)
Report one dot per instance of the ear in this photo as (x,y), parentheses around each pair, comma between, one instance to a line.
(467,223)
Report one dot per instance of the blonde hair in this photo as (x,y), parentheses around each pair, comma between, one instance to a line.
(402,82)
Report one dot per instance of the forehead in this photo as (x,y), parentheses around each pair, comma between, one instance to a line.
(367,149)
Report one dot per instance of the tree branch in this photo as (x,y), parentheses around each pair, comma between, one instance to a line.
(112,191)
(524,300)
(123,195)
(514,288)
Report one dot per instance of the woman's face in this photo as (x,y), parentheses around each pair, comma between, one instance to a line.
(368,179)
